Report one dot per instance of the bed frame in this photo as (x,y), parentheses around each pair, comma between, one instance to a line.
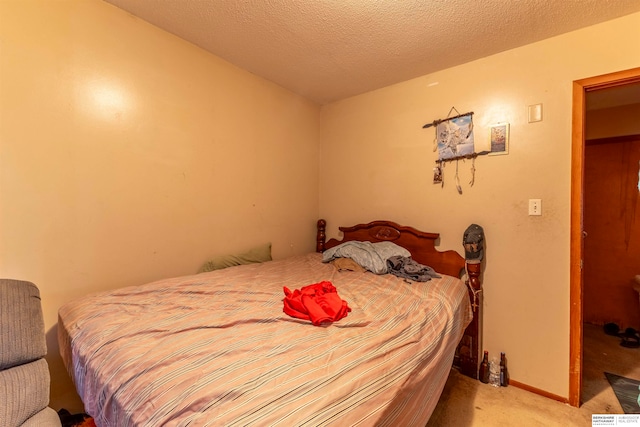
(423,250)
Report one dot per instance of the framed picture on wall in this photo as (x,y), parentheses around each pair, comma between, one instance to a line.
(499,139)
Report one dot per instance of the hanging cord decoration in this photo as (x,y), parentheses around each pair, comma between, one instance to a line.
(458,187)
(473,172)
(476,292)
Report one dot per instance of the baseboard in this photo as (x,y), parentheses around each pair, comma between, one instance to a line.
(538,391)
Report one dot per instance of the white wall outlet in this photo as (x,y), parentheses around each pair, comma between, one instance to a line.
(535,206)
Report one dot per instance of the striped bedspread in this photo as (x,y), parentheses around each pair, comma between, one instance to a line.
(216,349)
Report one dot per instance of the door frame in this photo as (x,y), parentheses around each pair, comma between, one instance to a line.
(580,88)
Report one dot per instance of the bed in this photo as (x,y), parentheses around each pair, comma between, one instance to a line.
(216,348)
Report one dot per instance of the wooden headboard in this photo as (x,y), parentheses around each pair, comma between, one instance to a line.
(423,250)
(420,244)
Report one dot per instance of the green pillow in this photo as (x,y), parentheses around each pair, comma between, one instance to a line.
(260,253)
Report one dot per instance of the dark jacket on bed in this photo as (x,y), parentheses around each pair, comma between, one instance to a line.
(408,268)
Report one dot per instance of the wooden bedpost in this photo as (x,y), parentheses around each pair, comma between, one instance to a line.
(470,349)
(321,235)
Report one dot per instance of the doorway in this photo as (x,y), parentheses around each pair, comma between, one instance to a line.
(580,90)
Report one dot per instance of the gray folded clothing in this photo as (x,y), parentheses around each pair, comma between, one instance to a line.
(408,268)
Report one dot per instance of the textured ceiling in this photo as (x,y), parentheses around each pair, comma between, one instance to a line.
(326,50)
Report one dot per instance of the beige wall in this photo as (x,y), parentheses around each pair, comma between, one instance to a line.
(377,163)
(128,155)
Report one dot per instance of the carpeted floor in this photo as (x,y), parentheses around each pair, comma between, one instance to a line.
(466,402)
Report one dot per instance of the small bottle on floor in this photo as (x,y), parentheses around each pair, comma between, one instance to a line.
(504,373)
(483,375)
(494,372)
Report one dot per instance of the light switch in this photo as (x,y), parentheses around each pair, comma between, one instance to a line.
(535,113)
(535,206)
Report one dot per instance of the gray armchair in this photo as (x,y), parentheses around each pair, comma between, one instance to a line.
(24,373)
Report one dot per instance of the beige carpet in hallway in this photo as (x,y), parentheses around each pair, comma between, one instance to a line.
(467,402)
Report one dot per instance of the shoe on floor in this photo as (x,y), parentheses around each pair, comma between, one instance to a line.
(630,338)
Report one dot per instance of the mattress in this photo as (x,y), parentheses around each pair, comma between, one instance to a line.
(217,349)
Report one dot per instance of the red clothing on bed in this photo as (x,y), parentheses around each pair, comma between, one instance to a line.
(318,302)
